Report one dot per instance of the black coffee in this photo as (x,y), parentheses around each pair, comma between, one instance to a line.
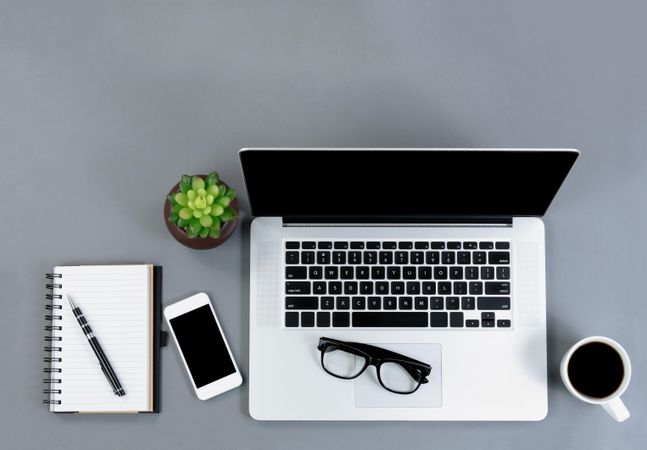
(596,370)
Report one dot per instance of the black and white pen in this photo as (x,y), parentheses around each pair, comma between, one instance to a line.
(94,343)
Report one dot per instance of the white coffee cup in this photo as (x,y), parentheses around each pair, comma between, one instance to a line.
(612,403)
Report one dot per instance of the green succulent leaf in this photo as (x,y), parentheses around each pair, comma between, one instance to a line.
(214,233)
(191,195)
(197,213)
(223,190)
(173,217)
(191,234)
(185,213)
(181,198)
(184,186)
(224,201)
(216,223)
(182,223)
(213,178)
(229,214)
(231,193)
(213,190)
(197,183)
(206,221)
(176,208)
(171,199)
(200,202)
(217,209)
(210,198)
(185,179)
(194,225)
(204,232)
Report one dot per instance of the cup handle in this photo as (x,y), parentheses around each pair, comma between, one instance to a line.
(616,409)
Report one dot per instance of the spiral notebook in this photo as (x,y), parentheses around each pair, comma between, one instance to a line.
(122,305)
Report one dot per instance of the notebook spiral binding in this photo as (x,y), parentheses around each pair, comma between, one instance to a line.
(52,315)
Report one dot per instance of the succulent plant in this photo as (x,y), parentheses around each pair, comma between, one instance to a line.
(202,205)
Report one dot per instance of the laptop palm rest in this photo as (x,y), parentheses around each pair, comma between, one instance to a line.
(370,394)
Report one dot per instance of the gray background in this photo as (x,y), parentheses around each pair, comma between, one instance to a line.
(104,105)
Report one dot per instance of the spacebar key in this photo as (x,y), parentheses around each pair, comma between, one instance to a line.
(390,319)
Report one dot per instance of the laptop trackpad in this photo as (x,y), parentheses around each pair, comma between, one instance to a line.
(370,394)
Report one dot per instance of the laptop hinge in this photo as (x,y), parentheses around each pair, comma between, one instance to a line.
(501,221)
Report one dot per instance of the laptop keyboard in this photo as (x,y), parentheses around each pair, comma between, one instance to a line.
(397,284)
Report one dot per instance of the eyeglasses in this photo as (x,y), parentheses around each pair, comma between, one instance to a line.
(395,372)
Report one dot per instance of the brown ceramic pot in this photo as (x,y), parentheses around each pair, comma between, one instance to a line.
(199,243)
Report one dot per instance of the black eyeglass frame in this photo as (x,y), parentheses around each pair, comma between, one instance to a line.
(376,356)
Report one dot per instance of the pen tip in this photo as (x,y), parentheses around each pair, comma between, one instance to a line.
(69,299)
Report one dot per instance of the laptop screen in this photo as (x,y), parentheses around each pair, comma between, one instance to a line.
(403,183)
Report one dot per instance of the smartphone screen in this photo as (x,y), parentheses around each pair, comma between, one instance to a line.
(202,346)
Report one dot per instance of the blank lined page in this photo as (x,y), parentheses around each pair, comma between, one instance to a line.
(117,303)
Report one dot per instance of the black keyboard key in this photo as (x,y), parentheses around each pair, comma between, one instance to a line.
(436,303)
(340,319)
(374,303)
(334,287)
(382,287)
(393,273)
(468,303)
(444,288)
(499,258)
(502,245)
(453,245)
(471,245)
(464,258)
(331,273)
(476,288)
(397,287)
(478,258)
(440,273)
(340,245)
(429,287)
(327,303)
(438,319)
(487,316)
(417,258)
(487,273)
(296,273)
(301,303)
(323,257)
(452,303)
(386,257)
(357,245)
(350,287)
(319,287)
(448,257)
(460,288)
(487,323)
(373,245)
(354,257)
(307,319)
(421,245)
(493,303)
(366,288)
(324,245)
(343,302)
(402,257)
(323,319)
(472,273)
(291,319)
(456,319)
(437,245)
(309,245)
(405,303)
(377,273)
(421,302)
(472,323)
(362,273)
(405,245)
(502,273)
(291,245)
(497,288)
(346,272)
(503,323)
(409,273)
(456,273)
(359,302)
(315,272)
(370,257)
(390,319)
(297,287)
(391,245)
(413,288)
(291,257)
(390,303)
(339,258)
(432,258)
(424,273)
(308,257)
(486,245)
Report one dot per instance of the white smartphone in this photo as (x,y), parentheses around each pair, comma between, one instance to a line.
(203,348)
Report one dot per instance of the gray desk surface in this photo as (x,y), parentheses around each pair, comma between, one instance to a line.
(103,105)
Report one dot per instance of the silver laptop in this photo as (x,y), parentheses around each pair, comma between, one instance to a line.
(365,263)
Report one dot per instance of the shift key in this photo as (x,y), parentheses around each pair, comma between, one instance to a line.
(297,287)
(493,303)
(301,303)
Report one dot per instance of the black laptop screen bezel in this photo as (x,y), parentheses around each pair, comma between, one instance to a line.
(266,175)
